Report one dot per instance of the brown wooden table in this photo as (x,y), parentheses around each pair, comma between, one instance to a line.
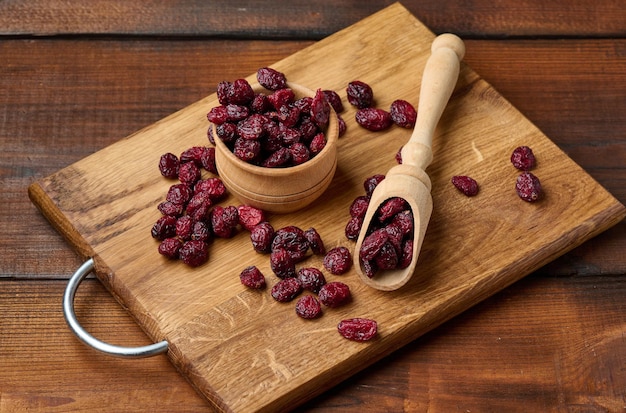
(76,77)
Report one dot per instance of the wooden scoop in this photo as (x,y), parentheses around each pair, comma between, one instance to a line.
(409,180)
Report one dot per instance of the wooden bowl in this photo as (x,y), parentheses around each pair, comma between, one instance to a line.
(280,190)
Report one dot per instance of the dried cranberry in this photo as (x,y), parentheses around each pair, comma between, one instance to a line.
(360,94)
(338,260)
(224,221)
(250,217)
(261,237)
(311,279)
(218,115)
(168,165)
(391,207)
(188,173)
(214,188)
(252,127)
(286,290)
(398,156)
(227,132)
(334,100)
(372,244)
(387,257)
(293,240)
(208,160)
(396,236)
(200,231)
(465,184)
(342,126)
(369,268)
(407,254)
(403,113)
(170,208)
(224,92)
(373,119)
(194,253)
(241,92)
(299,153)
(165,227)
(193,154)
(271,79)
(247,150)
(523,158)
(315,241)
(317,143)
(308,307)
(358,329)
(320,109)
(252,277)
(528,187)
(179,194)
(404,220)
(353,228)
(281,98)
(334,294)
(184,227)
(282,264)
(235,113)
(277,159)
(371,183)
(170,247)
(199,206)
(359,206)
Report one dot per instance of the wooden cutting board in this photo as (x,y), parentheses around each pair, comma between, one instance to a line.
(245,352)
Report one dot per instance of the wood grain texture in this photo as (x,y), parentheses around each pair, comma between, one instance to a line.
(215,331)
(65,97)
(305,19)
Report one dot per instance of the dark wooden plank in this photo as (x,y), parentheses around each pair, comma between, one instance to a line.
(63,100)
(307,20)
(543,344)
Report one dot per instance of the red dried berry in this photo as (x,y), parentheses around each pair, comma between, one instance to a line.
(208,160)
(315,241)
(320,109)
(168,165)
(286,290)
(372,244)
(179,194)
(252,277)
(218,115)
(282,264)
(387,257)
(403,113)
(224,91)
(252,127)
(523,158)
(200,231)
(407,254)
(404,220)
(199,206)
(334,294)
(261,237)
(398,156)
(247,150)
(465,184)
(308,307)
(214,188)
(277,159)
(227,132)
(334,100)
(235,113)
(358,329)
(338,260)
(360,94)
(371,183)
(165,227)
(224,221)
(391,207)
(342,126)
(170,208)
(317,144)
(193,154)
(299,153)
(241,92)
(188,173)
(373,119)
(311,279)
(271,79)
(353,228)
(170,247)
(250,217)
(281,98)
(293,240)
(194,253)
(184,227)
(528,187)
(359,206)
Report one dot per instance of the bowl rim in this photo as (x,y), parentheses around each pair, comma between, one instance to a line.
(331,132)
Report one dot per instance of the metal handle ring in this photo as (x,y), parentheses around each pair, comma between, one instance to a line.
(112,350)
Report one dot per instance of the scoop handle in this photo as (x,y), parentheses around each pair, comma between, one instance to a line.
(438,80)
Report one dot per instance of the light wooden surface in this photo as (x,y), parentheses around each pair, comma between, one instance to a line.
(525,348)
